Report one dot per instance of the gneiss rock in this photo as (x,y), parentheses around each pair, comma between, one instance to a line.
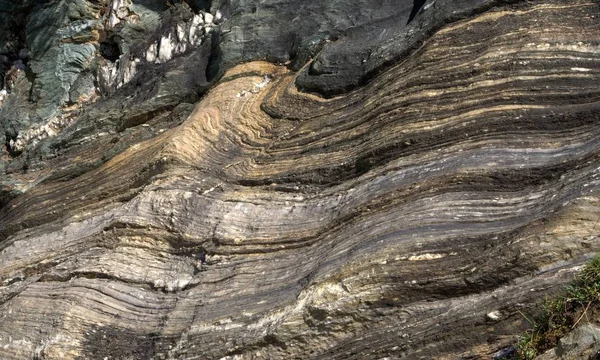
(73,51)
(385,222)
(363,37)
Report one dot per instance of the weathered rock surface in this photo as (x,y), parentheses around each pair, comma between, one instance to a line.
(388,221)
(581,343)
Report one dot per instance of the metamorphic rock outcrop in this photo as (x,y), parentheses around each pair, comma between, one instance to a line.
(237,179)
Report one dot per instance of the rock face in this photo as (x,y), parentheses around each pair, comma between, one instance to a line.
(581,343)
(292,179)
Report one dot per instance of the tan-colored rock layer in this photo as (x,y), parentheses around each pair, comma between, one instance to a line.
(383,223)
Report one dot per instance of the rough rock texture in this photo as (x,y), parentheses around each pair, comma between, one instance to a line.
(389,221)
(350,41)
(581,343)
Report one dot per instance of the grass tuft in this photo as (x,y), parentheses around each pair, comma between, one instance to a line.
(559,316)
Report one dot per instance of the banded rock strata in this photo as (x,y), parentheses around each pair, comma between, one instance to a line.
(384,222)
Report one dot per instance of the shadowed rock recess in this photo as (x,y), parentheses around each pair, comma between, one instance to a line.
(292,179)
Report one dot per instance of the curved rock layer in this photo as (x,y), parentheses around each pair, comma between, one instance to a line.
(386,222)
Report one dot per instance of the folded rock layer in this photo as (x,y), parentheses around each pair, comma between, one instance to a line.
(417,216)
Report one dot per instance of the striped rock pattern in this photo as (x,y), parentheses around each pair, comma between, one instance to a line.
(386,222)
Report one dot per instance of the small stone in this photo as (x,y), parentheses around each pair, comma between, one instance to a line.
(208,18)
(494,315)
(505,353)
